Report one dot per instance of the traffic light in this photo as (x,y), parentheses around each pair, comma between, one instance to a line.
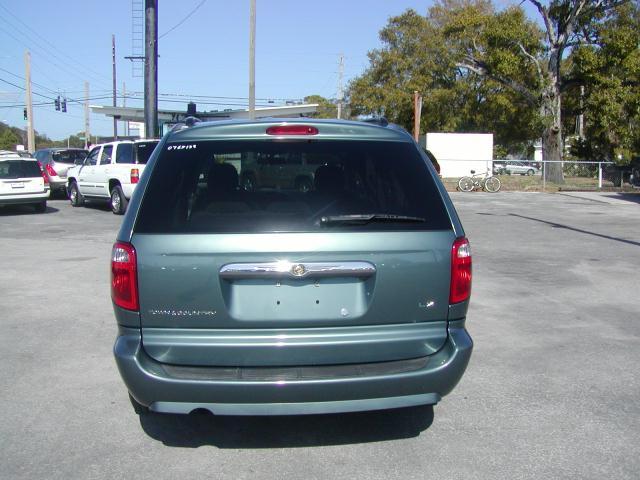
(64,105)
(57,102)
(25,113)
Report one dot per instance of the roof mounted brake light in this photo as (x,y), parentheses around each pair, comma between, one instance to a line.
(294,129)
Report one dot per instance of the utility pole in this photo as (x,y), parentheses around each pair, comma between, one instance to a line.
(31,140)
(340,88)
(113,63)
(151,68)
(417,109)
(124,104)
(252,60)
(87,132)
(581,116)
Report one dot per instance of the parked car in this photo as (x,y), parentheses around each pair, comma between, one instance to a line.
(279,170)
(109,173)
(22,181)
(350,295)
(56,162)
(620,174)
(499,167)
(21,153)
(519,168)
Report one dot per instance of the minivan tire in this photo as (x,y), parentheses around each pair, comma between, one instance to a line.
(118,201)
(75,197)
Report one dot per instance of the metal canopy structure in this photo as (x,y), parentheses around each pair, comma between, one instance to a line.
(134,114)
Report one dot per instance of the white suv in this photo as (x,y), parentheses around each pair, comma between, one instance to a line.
(22,181)
(109,173)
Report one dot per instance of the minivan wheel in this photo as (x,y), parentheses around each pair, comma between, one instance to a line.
(118,201)
(138,407)
(530,172)
(75,197)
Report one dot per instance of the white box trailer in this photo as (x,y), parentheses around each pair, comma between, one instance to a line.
(459,153)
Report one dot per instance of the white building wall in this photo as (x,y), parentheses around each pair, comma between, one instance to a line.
(459,153)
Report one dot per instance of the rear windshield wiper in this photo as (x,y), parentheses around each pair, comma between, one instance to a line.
(363,218)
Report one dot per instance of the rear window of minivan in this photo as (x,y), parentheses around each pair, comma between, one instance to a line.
(290,186)
(19,169)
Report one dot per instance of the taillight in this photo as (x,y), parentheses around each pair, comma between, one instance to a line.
(295,129)
(51,171)
(460,271)
(44,175)
(124,276)
(135,175)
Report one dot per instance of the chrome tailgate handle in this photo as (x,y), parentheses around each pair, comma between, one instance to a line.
(285,269)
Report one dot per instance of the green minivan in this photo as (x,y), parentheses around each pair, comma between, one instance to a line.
(269,299)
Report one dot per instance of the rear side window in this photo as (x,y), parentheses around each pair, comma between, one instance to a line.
(290,186)
(19,169)
(68,156)
(124,153)
(144,151)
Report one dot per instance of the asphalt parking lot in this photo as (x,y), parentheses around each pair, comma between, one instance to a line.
(552,390)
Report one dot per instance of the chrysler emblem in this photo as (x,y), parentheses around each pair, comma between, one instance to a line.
(298,270)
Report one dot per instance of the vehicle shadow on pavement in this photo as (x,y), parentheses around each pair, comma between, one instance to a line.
(11,210)
(579,230)
(199,429)
(629,197)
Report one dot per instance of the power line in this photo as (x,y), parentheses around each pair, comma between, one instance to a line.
(183,20)
(186,95)
(44,55)
(24,89)
(34,83)
(48,42)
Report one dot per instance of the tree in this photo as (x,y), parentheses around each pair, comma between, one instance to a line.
(326,109)
(609,70)
(421,53)
(567,24)
(8,140)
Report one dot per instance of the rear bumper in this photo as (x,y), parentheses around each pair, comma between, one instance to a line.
(24,198)
(58,184)
(273,391)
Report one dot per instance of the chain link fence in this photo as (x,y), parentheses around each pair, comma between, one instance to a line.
(526,175)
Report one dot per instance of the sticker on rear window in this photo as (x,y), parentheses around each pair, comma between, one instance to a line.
(181,147)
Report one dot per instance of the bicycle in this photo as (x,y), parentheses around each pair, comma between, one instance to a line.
(490,184)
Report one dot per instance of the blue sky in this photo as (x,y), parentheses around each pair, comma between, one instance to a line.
(297,49)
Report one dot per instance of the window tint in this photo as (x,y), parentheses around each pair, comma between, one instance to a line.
(19,169)
(105,158)
(124,153)
(276,186)
(92,159)
(144,151)
(68,156)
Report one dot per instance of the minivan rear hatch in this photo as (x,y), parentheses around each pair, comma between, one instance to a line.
(245,258)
